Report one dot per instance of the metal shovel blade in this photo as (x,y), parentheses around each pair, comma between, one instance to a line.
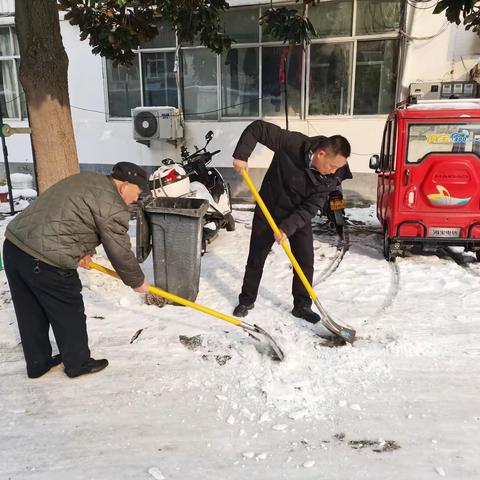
(342,330)
(259,334)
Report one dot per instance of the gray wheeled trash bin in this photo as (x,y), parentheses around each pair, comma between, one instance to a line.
(173,228)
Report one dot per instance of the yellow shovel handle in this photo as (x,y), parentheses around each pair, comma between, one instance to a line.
(275,229)
(173,298)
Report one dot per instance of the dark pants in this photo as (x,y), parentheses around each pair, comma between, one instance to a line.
(261,242)
(44,295)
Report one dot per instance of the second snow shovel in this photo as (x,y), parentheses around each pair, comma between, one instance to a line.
(254,331)
(344,331)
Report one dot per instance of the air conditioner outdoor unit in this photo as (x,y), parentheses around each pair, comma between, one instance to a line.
(156,123)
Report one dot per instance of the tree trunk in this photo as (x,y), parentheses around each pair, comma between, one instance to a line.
(43,74)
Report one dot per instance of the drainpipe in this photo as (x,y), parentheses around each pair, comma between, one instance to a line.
(406,26)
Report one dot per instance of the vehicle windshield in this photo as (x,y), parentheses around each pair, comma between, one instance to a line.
(425,138)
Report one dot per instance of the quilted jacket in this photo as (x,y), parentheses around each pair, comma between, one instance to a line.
(71,218)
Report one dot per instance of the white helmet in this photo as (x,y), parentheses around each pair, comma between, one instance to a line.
(170,180)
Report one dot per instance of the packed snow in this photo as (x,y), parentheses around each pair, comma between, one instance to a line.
(188,396)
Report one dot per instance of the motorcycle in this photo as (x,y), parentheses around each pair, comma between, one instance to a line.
(334,210)
(334,207)
(192,177)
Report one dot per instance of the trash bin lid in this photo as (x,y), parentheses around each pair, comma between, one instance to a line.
(190,207)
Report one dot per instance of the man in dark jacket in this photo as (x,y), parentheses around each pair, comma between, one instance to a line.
(46,243)
(302,173)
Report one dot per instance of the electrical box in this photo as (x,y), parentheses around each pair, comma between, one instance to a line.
(459,89)
(156,123)
(426,90)
(443,90)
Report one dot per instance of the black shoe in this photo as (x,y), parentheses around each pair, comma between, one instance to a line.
(53,362)
(91,366)
(306,313)
(242,310)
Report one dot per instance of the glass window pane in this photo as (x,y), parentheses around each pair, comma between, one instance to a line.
(330,74)
(23,104)
(5,43)
(378,16)
(196,42)
(159,83)
(200,84)
(267,37)
(241,25)
(8,89)
(123,89)
(442,137)
(376,76)
(392,147)
(332,19)
(273,76)
(165,37)
(240,83)
(16,49)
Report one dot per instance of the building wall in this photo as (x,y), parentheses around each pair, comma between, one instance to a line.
(7,6)
(447,56)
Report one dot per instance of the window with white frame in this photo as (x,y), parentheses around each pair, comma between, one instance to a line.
(149,81)
(255,70)
(157,61)
(12,100)
(123,89)
(200,90)
(350,69)
(353,64)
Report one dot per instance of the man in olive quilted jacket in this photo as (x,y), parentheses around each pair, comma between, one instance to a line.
(46,243)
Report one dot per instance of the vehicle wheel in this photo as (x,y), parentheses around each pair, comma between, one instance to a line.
(478,256)
(229,222)
(387,247)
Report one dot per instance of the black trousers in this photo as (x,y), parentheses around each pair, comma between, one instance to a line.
(261,242)
(44,295)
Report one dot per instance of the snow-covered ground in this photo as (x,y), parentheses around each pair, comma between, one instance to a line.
(402,403)
(19,204)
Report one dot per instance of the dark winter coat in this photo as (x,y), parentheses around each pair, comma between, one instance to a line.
(71,218)
(292,191)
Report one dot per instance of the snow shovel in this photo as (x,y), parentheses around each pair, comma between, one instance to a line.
(254,331)
(344,331)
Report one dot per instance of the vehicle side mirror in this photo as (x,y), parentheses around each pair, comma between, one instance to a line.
(374,163)
(209,136)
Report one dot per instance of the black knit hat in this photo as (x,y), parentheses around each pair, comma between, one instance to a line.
(129,172)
